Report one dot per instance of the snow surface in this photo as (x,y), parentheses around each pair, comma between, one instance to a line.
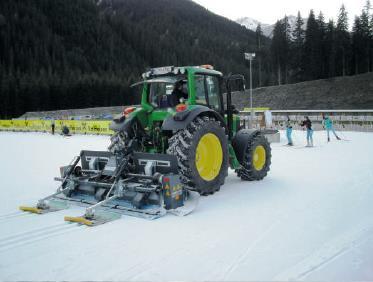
(310,219)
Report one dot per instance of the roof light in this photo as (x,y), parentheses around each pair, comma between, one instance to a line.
(209,67)
(128,110)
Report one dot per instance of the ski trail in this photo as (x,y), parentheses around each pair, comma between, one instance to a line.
(327,253)
(32,236)
(240,259)
(9,216)
(27,233)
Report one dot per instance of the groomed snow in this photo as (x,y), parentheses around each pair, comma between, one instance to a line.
(310,219)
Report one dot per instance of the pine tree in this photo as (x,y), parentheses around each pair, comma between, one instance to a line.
(275,50)
(343,42)
(312,49)
(298,37)
(280,50)
(259,39)
(367,22)
(365,36)
(286,47)
(322,48)
(357,45)
(330,49)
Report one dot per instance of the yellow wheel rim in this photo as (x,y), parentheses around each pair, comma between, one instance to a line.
(209,156)
(259,157)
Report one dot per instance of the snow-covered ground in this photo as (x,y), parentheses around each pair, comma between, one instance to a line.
(310,219)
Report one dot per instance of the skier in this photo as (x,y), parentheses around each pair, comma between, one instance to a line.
(308,124)
(328,125)
(53,124)
(289,130)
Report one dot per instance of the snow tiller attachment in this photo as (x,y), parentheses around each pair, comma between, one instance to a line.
(139,184)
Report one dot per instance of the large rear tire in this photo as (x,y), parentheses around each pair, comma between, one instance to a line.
(202,152)
(257,159)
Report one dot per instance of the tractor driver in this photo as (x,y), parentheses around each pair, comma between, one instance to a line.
(178,93)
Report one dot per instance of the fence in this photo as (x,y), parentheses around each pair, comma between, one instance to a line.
(75,126)
(343,120)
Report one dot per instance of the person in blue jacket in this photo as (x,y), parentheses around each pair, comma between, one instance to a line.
(328,125)
(289,130)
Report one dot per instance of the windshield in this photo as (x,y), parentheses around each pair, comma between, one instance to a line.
(168,91)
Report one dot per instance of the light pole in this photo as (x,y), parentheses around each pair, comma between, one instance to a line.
(250,57)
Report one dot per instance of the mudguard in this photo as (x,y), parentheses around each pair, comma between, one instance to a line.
(121,124)
(241,140)
(181,120)
(130,125)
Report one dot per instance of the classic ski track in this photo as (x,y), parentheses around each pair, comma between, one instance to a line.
(325,254)
(27,233)
(241,258)
(10,216)
(32,236)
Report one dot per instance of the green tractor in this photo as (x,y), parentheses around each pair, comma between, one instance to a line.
(182,113)
(179,143)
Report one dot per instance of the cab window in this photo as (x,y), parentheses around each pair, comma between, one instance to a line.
(213,91)
(200,90)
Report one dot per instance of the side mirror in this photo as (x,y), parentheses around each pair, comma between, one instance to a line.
(234,109)
(241,85)
(235,83)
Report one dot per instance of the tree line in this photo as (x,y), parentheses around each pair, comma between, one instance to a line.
(64,54)
(58,54)
(322,49)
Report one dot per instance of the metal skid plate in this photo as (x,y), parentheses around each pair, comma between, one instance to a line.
(117,206)
(52,206)
(100,217)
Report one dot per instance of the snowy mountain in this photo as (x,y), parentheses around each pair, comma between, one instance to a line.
(267,29)
(252,24)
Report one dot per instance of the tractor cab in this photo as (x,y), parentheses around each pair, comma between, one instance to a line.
(169,91)
(166,87)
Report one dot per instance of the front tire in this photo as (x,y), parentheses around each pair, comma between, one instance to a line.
(202,152)
(257,159)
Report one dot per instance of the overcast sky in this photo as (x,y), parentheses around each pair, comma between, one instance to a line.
(268,11)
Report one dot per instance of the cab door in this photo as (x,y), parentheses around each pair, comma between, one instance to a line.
(208,92)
